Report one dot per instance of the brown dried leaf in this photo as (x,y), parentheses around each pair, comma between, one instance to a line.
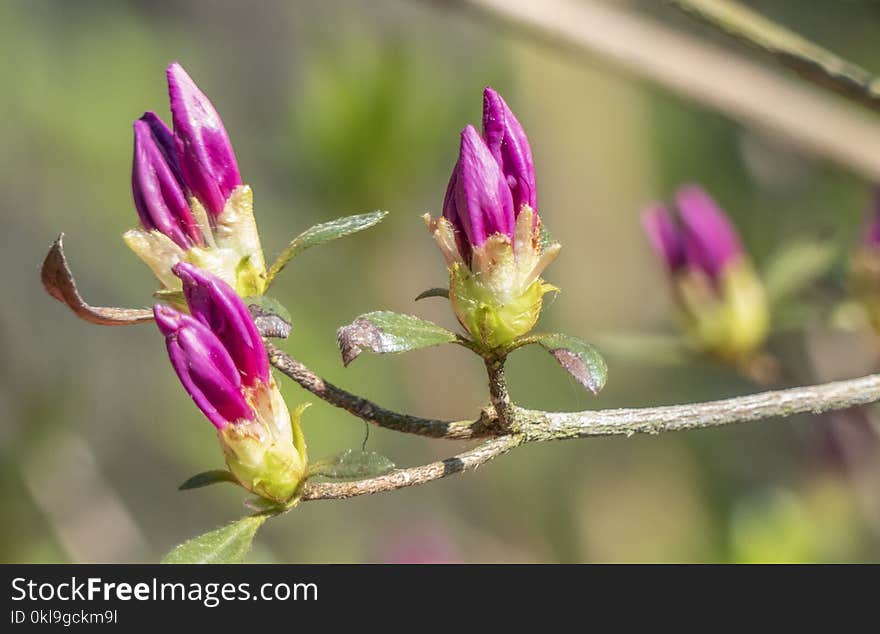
(59,283)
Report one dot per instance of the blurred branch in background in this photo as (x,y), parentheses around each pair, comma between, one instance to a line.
(810,60)
(710,75)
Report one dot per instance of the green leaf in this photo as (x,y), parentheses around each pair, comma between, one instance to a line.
(795,266)
(578,358)
(352,464)
(270,316)
(319,234)
(383,332)
(206,478)
(226,545)
(433,292)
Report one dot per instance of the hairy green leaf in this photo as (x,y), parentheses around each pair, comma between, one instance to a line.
(226,545)
(352,464)
(578,358)
(319,234)
(384,332)
(206,478)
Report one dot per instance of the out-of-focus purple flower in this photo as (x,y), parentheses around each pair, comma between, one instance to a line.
(204,366)
(157,185)
(704,239)
(478,200)
(665,236)
(206,156)
(710,239)
(216,305)
(509,145)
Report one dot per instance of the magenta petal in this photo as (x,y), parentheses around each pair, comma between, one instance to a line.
(164,138)
(158,192)
(450,212)
(482,196)
(710,239)
(664,236)
(215,304)
(509,145)
(204,367)
(208,162)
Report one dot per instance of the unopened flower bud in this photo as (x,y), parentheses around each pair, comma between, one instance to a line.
(721,299)
(221,362)
(206,156)
(490,233)
(214,228)
(156,184)
(508,143)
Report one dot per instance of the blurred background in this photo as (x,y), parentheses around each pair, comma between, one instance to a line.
(337,108)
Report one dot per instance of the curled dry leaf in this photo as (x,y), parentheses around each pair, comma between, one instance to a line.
(271,318)
(59,283)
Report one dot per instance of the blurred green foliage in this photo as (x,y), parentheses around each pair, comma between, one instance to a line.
(338,108)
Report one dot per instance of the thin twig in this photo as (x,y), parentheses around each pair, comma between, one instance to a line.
(539,426)
(402,478)
(375,414)
(808,59)
(705,73)
(498,393)
(839,395)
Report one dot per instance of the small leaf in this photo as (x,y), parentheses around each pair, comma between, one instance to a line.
(226,545)
(352,464)
(383,332)
(270,316)
(206,478)
(795,266)
(580,359)
(433,292)
(59,283)
(319,234)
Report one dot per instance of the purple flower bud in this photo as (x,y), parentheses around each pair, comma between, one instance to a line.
(478,201)
(204,366)
(664,236)
(703,238)
(710,239)
(509,145)
(157,186)
(207,160)
(216,305)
